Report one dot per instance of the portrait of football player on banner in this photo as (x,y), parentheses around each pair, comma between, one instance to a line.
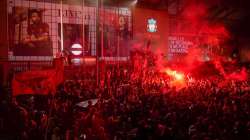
(33,35)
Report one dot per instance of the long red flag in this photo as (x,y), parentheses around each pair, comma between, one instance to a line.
(38,81)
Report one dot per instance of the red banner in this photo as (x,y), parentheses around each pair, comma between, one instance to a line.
(38,82)
(150,28)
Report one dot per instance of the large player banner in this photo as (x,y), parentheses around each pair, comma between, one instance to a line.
(35,29)
(31,34)
(115,33)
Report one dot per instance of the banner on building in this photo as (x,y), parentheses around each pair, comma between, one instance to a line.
(150,30)
(31,34)
(179,45)
(34,29)
(116,31)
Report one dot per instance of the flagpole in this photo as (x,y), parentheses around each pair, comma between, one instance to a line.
(97,42)
(118,37)
(83,40)
(102,29)
(83,28)
(61,20)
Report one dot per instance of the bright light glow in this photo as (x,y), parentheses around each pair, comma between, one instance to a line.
(76,49)
(178,76)
(76,52)
(134,2)
(174,74)
(90,60)
(76,46)
(177,79)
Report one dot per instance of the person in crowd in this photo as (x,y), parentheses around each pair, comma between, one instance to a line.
(135,106)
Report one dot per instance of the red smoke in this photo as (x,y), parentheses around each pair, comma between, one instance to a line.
(207,37)
(239,76)
(195,11)
(219,67)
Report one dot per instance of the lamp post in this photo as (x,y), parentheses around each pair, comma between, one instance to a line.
(61,20)
(97,41)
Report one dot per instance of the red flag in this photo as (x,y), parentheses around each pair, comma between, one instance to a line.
(33,82)
(38,81)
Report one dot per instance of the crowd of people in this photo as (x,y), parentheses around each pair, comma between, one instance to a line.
(127,107)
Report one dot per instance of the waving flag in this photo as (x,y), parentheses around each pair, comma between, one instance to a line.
(38,81)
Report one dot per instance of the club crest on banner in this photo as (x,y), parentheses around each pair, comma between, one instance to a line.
(151,25)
